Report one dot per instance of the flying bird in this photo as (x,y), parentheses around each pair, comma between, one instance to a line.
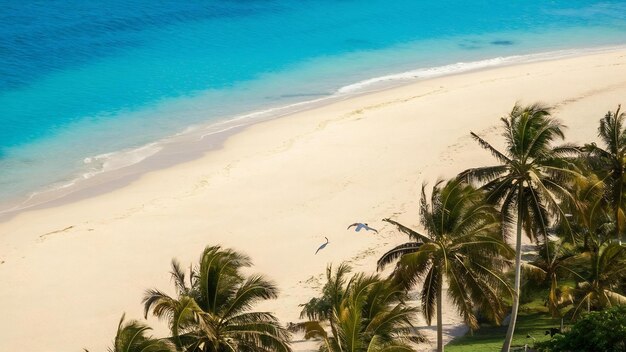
(323,245)
(360,226)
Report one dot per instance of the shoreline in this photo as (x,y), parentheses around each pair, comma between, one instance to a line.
(197,140)
(273,192)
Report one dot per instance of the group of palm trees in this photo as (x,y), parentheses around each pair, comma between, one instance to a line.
(568,200)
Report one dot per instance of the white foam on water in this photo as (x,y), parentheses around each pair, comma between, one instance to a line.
(120,159)
(107,162)
(460,67)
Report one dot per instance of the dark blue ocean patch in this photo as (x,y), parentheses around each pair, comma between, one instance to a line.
(38,39)
(467,46)
(502,42)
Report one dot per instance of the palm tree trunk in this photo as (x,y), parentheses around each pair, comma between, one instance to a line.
(440,313)
(617,229)
(618,206)
(518,279)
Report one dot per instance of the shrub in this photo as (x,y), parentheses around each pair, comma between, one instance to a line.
(603,331)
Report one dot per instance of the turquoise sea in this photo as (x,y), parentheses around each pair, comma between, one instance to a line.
(87,87)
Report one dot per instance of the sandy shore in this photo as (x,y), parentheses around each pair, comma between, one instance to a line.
(274,191)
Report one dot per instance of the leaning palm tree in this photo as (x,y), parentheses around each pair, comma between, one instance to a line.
(131,337)
(364,314)
(610,164)
(211,312)
(602,273)
(462,243)
(530,180)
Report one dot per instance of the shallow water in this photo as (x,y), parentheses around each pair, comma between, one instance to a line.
(87,87)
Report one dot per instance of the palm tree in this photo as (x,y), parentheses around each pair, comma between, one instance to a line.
(549,271)
(333,292)
(211,312)
(530,178)
(131,337)
(602,273)
(365,314)
(462,244)
(588,212)
(610,163)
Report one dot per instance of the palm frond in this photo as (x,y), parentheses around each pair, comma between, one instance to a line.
(428,295)
(254,289)
(178,276)
(494,152)
(414,235)
(311,329)
(395,253)
(161,304)
(131,337)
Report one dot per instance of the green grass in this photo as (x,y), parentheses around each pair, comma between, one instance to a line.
(533,319)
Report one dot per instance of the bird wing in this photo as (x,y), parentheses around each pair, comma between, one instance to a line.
(355,224)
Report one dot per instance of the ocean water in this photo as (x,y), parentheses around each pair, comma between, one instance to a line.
(88,87)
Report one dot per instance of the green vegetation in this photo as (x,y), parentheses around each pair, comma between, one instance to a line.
(211,313)
(489,339)
(364,313)
(610,165)
(462,244)
(568,200)
(601,278)
(603,331)
(528,181)
(131,337)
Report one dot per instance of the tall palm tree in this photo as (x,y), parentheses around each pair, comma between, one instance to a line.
(610,164)
(365,314)
(462,244)
(602,273)
(211,312)
(530,180)
(131,337)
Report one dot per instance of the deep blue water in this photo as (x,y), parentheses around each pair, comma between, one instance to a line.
(80,79)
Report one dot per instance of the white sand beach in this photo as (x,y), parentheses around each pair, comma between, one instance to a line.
(274,191)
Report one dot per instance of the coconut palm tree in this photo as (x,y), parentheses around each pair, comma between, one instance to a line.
(603,271)
(550,271)
(590,222)
(333,292)
(588,211)
(365,314)
(131,337)
(610,164)
(530,180)
(462,243)
(211,312)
